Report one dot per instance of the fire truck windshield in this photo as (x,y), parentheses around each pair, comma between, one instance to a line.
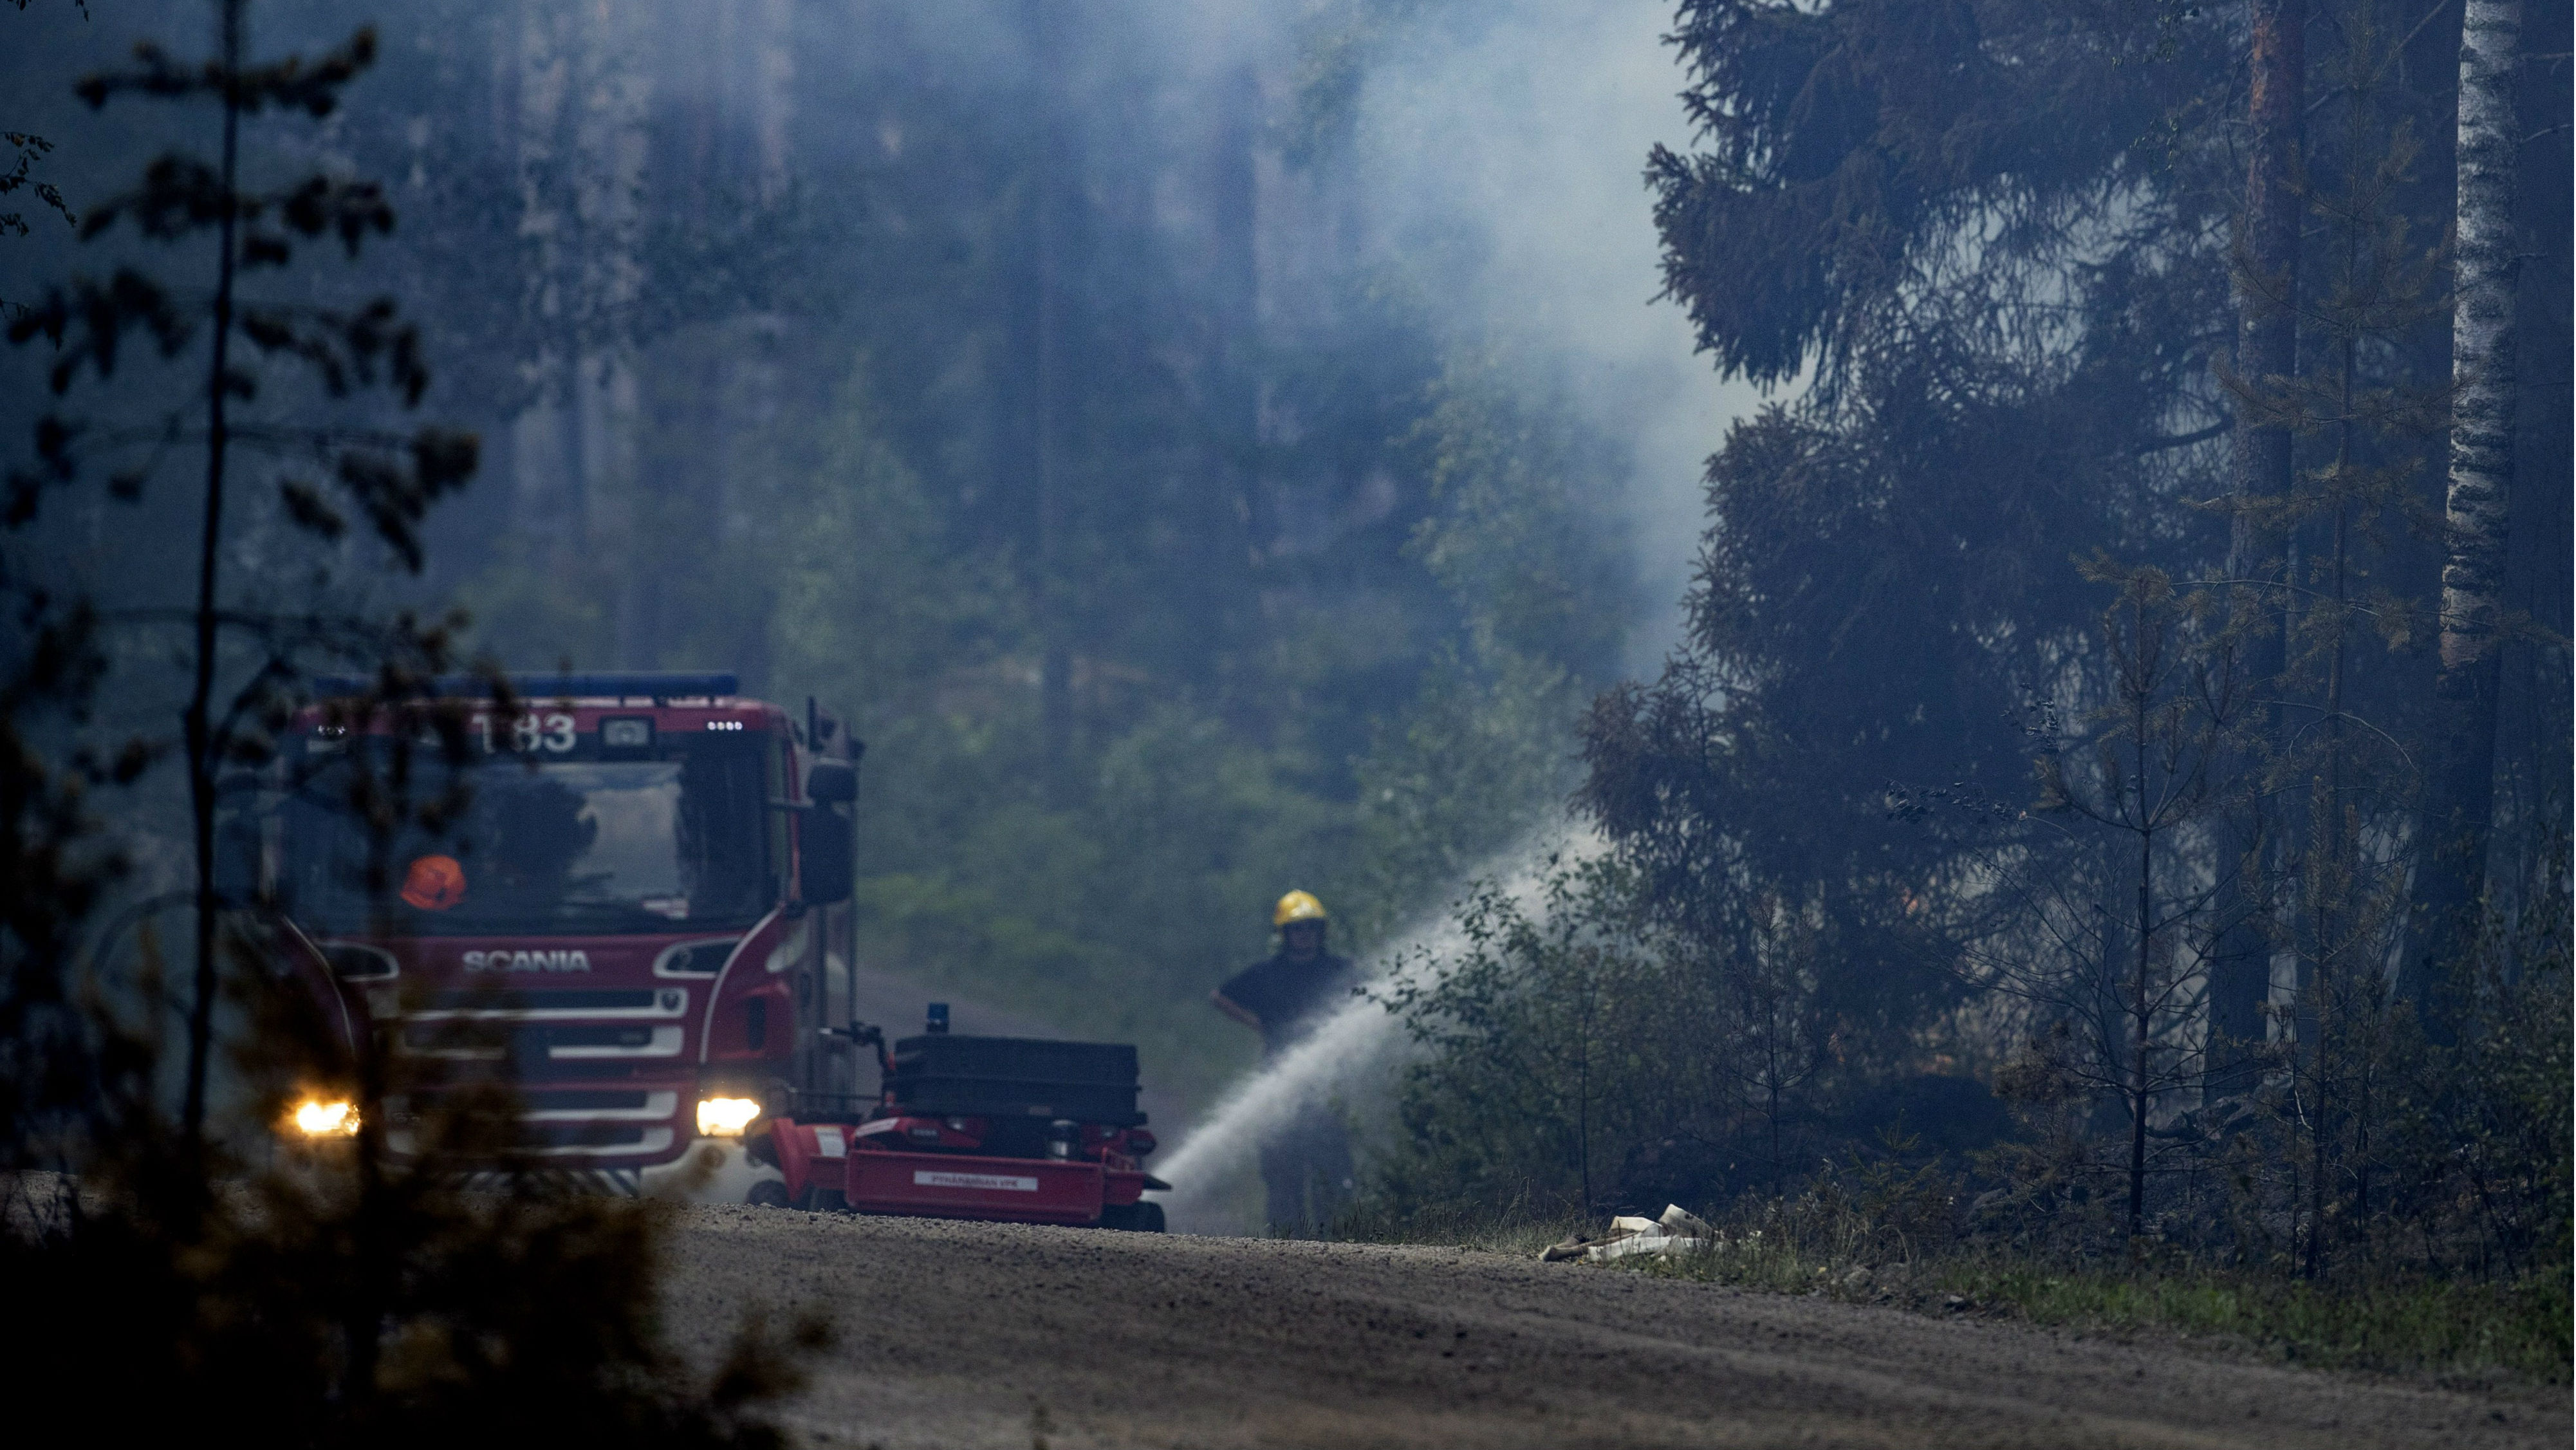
(676,841)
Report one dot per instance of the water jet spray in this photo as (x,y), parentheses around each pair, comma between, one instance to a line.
(1351,1042)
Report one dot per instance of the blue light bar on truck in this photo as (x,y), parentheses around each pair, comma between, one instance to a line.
(630,685)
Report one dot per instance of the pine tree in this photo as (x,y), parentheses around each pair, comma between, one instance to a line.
(1979,234)
(2265,265)
(388,478)
(2115,926)
(2364,410)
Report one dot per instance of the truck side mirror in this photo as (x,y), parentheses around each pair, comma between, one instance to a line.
(825,871)
(831,783)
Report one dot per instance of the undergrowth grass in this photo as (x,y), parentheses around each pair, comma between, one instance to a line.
(2451,1329)
(1510,1229)
(2441,1327)
(2456,1330)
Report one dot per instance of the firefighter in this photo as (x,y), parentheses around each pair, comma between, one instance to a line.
(1307,1164)
(433,883)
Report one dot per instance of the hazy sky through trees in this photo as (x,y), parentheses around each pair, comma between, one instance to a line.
(1531,128)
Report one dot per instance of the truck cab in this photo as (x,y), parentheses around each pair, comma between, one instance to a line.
(636,919)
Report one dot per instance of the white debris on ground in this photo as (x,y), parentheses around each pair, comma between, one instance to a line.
(1677,1231)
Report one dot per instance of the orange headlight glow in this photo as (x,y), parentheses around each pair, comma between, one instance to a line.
(326,1119)
(726,1117)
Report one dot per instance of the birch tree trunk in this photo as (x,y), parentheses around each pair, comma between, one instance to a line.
(2460,793)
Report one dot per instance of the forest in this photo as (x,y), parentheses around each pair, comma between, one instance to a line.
(1155,498)
(2110,799)
(1951,619)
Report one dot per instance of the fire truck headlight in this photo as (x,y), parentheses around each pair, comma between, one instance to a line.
(315,1119)
(725,1117)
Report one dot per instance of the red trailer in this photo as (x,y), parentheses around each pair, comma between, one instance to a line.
(1016,1129)
(642,923)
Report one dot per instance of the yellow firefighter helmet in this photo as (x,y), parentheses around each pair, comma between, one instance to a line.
(1297,906)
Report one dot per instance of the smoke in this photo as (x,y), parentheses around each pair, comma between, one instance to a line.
(1494,160)
(1489,154)
(1510,144)
(1347,1053)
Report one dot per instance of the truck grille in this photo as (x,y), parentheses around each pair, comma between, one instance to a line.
(586,1099)
(571,1140)
(619,1036)
(545,1043)
(560,1001)
(538,1100)
(583,1135)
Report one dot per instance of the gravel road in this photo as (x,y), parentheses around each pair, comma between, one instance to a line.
(960,1335)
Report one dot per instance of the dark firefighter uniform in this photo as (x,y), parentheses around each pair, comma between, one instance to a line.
(1307,1164)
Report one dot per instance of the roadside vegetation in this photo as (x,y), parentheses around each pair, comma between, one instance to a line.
(2016,1209)
(2457,1331)
(2101,851)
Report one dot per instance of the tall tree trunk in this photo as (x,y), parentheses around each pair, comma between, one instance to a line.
(2141,1085)
(2267,267)
(198,724)
(2460,793)
(2330,870)
(1235,189)
(2267,284)
(1055,662)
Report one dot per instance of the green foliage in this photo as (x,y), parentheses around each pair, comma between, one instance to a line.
(2409,1325)
(1469,766)
(1509,1226)
(1517,542)
(1575,1054)
(869,606)
(1340,44)
(1848,146)
(2456,1264)
(2508,1121)
(338,1292)
(2007,299)
(1555,1044)
(2405,1326)
(1873,1231)
(1997,290)
(2109,896)
(367,1290)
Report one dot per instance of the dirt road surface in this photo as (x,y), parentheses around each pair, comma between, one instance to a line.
(963,1335)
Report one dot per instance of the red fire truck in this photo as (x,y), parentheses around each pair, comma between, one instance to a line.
(641,920)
